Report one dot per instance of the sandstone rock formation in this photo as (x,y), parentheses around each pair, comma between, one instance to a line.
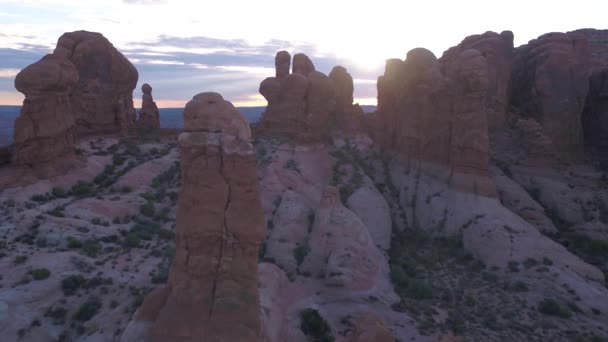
(212,291)
(102,100)
(307,105)
(346,116)
(549,84)
(598,49)
(299,104)
(45,129)
(148,115)
(498,51)
(432,114)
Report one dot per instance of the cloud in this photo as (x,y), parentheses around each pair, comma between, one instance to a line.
(8,73)
(144,2)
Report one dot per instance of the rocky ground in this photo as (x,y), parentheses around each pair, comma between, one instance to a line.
(80,251)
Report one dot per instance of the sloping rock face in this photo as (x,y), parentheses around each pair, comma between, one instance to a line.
(148,115)
(45,129)
(549,84)
(306,105)
(498,50)
(432,115)
(212,291)
(102,100)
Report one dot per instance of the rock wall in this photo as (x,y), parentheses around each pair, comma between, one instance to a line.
(148,115)
(45,129)
(212,291)
(549,83)
(432,115)
(103,97)
(498,51)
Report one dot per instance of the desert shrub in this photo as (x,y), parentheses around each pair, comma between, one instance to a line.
(552,308)
(40,273)
(292,165)
(40,198)
(147,209)
(314,326)
(58,192)
(73,243)
(72,283)
(82,189)
(57,212)
(57,315)
(118,159)
(301,251)
(91,248)
(87,310)
(20,259)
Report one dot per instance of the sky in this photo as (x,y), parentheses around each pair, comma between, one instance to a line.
(184,47)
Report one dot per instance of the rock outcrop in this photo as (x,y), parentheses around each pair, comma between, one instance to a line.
(300,103)
(102,100)
(550,83)
(212,291)
(432,115)
(346,116)
(498,51)
(45,129)
(307,105)
(148,115)
(598,49)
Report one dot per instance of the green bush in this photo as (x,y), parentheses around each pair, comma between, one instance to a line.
(72,283)
(88,310)
(58,192)
(552,308)
(314,326)
(20,259)
(73,243)
(40,273)
(57,315)
(82,189)
(91,248)
(147,209)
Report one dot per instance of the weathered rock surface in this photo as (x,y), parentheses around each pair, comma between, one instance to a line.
(307,105)
(212,291)
(346,116)
(432,114)
(148,115)
(45,129)
(498,51)
(598,48)
(103,98)
(549,84)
